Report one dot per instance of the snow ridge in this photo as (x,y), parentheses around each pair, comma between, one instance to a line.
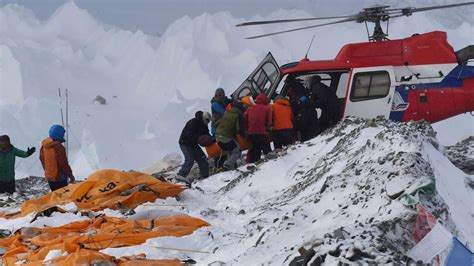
(337,196)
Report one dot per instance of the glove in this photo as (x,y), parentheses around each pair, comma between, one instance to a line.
(30,151)
(71,179)
(303,98)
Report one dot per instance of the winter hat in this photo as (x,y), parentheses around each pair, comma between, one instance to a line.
(56,132)
(206,117)
(219,91)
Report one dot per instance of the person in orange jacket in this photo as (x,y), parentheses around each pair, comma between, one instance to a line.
(282,131)
(54,160)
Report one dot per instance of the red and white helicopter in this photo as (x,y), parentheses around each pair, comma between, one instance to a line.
(419,77)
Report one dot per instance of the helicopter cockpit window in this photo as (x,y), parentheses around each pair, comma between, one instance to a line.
(265,78)
(372,85)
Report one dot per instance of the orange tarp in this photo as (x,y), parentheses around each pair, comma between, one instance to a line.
(80,239)
(106,189)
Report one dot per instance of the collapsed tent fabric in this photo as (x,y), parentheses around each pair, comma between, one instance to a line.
(106,189)
(83,239)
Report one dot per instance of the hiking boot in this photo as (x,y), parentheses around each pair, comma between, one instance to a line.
(222,169)
(183,179)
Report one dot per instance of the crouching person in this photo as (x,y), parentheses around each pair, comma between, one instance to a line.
(7,163)
(188,143)
(229,125)
(54,159)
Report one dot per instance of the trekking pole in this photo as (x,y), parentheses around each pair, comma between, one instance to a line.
(61,106)
(67,125)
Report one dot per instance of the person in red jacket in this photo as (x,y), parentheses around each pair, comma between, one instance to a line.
(282,131)
(258,120)
(54,159)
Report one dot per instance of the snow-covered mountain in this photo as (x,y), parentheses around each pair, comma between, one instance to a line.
(152,85)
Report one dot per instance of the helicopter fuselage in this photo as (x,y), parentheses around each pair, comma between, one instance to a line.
(419,77)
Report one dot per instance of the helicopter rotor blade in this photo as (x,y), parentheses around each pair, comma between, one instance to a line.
(303,28)
(410,10)
(262,22)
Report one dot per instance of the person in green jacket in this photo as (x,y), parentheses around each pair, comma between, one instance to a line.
(7,163)
(229,125)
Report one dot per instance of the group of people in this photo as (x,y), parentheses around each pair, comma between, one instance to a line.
(52,156)
(286,120)
(306,101)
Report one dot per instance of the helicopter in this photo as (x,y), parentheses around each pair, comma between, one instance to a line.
(415,78)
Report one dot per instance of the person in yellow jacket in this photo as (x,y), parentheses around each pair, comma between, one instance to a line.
(54,159)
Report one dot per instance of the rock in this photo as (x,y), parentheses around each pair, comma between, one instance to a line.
(102,263)
(304,258)
(99,100)
(340,233)
(4,233)
(395,187)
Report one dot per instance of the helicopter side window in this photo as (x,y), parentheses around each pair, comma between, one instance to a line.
(265,78)
(371,85)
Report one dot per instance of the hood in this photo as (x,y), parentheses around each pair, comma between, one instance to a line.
(198,115)
(282,101)
(49,143)
(262,99)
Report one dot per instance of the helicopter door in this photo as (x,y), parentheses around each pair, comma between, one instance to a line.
(370,92)
(262,80)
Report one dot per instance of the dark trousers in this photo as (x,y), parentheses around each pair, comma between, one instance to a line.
(283,137)
(8,187)
(259,143)
(54,185)
(191,154)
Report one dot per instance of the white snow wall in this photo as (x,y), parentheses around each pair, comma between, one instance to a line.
(152,86)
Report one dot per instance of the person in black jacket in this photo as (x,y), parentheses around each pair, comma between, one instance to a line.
(188,142)
(326,99)
(306,122)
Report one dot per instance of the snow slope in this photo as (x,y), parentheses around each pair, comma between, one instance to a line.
(338,193)
(152,85)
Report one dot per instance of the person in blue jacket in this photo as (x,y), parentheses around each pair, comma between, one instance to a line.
(218,105)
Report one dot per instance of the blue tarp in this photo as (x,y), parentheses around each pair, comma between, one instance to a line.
(459,255)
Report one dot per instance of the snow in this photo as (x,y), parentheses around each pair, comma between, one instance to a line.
(451,185)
